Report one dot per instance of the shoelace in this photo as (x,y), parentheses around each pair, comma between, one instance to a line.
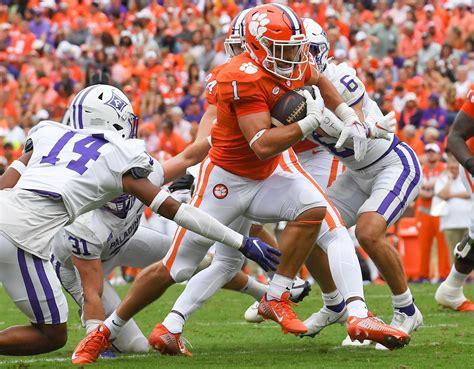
(102,340)
(284,307)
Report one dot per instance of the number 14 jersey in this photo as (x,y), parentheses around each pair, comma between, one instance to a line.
(82,168)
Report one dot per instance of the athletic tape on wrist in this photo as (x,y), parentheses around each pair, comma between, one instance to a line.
(158,200)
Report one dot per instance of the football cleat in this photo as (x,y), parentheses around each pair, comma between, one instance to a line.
(280,311)
(453,298)
(162,340)
(405,323)
(374,329)
(322,319)
(299,289)
(89,349)
(251,314)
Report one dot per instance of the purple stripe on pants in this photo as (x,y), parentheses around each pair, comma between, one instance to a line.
(398,185)
(48,291)
(411,186)
(30,289)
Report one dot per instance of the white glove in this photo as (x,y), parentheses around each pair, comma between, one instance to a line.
(314,111)
(353,129)
(381,127)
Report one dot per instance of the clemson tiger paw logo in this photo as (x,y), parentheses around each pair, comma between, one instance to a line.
(249,68)
(257,24)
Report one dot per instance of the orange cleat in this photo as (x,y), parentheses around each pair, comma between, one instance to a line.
(162,340)
(466,306)
(89,349)
(374,329)
(281,312)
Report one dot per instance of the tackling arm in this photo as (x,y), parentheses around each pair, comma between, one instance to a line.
(193,154)
(92,281)
(461,131)
(199,222)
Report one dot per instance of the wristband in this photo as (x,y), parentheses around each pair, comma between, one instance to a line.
(159,200)
(18,166)
(308,125)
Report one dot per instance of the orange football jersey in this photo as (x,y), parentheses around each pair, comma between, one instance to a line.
(211,85)
(244,87)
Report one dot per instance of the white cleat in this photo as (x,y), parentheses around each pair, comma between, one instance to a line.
(348,342)
(405,323)
(299,289)
(450,297)
(251,314)
(322,319)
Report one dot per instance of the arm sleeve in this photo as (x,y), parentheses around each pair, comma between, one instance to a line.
(202,223)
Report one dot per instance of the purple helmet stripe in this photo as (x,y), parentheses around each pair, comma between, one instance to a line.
(30,288)
(79,108)
(296,25)
(48,291)
(76,98)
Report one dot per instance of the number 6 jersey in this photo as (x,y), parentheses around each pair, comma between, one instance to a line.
(69,173)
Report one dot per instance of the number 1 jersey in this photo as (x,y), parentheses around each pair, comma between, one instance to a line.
(83,168)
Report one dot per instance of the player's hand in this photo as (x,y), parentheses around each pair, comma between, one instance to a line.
(264,255)
(183,183)
(314,111)
(358,132)
(382,127)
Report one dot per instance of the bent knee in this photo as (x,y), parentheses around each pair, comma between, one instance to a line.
(55,335)
(367,238)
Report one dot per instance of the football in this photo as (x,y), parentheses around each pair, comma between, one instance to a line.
(290,108)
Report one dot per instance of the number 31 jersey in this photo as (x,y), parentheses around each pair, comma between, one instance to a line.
(85,169)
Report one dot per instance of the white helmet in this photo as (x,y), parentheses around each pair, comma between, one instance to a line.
(234,38)
(318,43)
(104,107)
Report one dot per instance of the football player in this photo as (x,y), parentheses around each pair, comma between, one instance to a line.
(66,172)
(371,194)
(450,292)
(243,174)
(85,252)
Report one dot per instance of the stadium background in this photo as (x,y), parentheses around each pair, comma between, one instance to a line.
(415,57)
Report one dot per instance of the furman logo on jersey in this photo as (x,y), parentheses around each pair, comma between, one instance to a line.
(116,103)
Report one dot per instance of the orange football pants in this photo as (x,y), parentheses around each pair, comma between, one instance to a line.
(428,230)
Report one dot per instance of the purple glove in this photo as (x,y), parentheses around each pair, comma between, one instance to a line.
(264,255)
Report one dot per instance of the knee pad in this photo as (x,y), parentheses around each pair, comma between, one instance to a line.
(464,251)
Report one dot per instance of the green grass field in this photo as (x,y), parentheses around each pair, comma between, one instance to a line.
(221,339)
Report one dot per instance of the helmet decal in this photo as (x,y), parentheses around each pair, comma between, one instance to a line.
(116,103)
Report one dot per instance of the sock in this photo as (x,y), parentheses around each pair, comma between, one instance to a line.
(278,286)
(254,289)
(404,303)
(92,324)
(357,308)
(456,279)
(334,301)
(174,322)
(115,324)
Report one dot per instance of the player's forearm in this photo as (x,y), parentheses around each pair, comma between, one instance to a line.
(193,154)
(207,121)
(276,140)
(202,223)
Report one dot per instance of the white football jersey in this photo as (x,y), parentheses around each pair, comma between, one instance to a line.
(352,91)
(98,234)
(84,169)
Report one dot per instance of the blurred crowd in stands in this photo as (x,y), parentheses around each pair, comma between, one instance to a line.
(415,57)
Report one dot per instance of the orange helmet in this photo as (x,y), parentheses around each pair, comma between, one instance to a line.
(234,40)
(276,39)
